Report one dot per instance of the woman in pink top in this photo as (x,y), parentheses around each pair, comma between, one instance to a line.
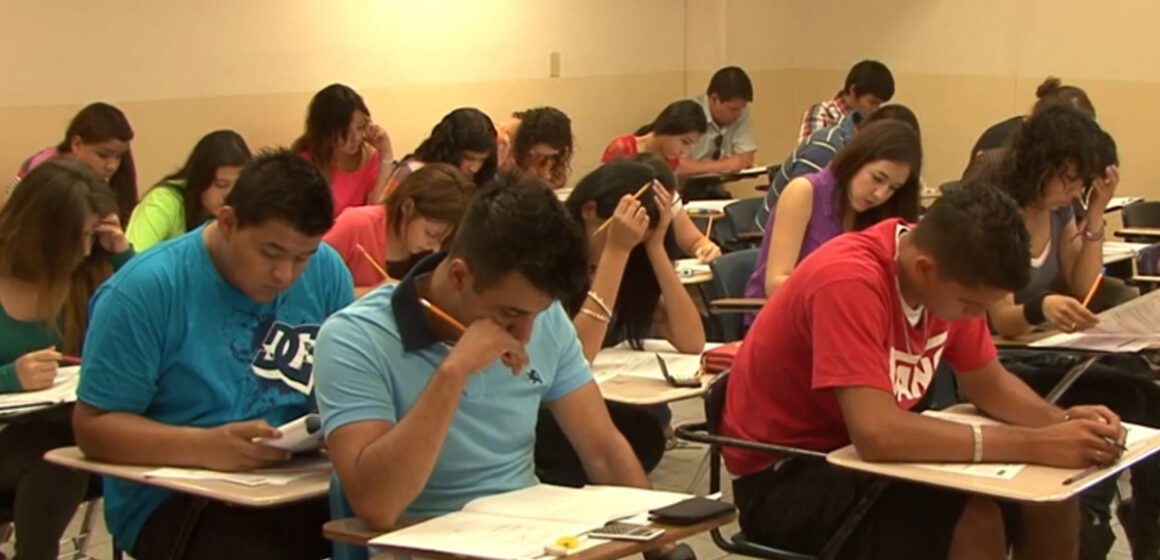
(671,135)
(340,138)
(416,219)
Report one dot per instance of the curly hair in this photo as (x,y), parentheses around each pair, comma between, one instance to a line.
(1045,145)
(462,130)
(544,125)
(977,237)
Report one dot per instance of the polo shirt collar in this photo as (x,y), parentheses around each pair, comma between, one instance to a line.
(414,331)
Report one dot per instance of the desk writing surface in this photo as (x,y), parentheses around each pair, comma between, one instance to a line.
(1033,483)
(312,486)
(1139,232)
(645,385)
(692,271)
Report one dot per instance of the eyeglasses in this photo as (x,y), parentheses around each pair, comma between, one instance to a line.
(717,146)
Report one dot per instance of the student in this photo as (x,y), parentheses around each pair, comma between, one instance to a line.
(728,143)
(536,141)
(417,218)
(1050,92)
(186,198)
(202,345)
(59,238)
(421,417)
(671,135)
(465,138)
(846,352)
(873,178)
(98,135)
(342,140)
(868,85)
(815,153)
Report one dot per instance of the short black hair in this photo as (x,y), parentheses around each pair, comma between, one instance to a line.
(870,76)
(894,112)
(977,237)
(731,83)
(281,185)
(1044,145)
(517,224)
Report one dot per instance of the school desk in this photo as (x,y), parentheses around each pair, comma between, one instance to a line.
(1033,483)
(633,377)
(1139,234)
(352,531)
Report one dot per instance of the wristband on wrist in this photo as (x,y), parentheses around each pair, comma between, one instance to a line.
(1033,310)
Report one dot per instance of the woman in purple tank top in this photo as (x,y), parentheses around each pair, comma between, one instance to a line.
(874,177)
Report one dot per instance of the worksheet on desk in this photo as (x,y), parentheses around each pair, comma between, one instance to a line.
(623,360)
(63,390)
(1005,471)
(1129,327)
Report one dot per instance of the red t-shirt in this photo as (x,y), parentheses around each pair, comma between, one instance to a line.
(838,321)
(625,146)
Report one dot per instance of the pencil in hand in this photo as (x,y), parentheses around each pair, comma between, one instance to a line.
(1092,291)
(636,196)
(372,260)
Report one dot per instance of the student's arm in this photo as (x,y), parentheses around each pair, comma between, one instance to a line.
(691,240)
(124,346)
(1064,312)
(677,308)
(811,121)
(383,460)
(689,166)
(792,215)
(159,216)
(629,223)
(378,138)
(1081,259)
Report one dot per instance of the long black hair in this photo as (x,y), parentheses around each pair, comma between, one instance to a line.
(639,291)
(679,117)
(217,149)
(100,122)
(328,120)
(462,130)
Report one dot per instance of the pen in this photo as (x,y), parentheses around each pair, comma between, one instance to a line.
(70,359)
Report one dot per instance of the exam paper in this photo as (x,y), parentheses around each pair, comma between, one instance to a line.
(1130,327)
(63,390)
(1004,471)
(623,360)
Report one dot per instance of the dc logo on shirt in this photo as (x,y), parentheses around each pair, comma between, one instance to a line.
(286,355)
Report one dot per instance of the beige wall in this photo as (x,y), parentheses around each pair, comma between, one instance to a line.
(187,68)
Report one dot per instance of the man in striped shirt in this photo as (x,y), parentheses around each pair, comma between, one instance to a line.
(821,147)
(868,85)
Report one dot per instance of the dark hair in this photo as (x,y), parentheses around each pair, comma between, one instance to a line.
(328,119)
(100,122)
(1044,145)
(1052,92)
(894,112)
(889,140)
(41,230)
(280,185)
(219,148)
(870,76)
(516,224)
(731,83)
(1106,153)
(463,130)
(544,125)
(977,237)
(639,290)
(438,191)
(679,117)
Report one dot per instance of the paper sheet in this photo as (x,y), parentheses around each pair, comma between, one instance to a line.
(1130,327)
(695,207)
(1005,471)
(593,505)
(476,535)
(688,268)
(243,479)
(623,360)
(63,390)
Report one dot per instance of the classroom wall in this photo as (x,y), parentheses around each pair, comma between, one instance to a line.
(184,70)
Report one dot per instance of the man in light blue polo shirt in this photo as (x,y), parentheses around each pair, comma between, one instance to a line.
(421,417)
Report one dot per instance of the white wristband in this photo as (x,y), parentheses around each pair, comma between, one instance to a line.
(977,434)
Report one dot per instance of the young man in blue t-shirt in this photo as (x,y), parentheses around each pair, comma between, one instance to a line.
(202,345)
(420,416)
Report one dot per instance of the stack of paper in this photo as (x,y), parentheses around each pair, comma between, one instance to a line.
(1130,327)
(63,390)
(518,525)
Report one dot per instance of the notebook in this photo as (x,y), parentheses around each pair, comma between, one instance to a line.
(518,525)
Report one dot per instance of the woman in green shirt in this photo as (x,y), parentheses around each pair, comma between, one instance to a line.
(186,198)
(60,237)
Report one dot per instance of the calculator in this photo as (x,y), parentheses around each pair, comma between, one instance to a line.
(626,532)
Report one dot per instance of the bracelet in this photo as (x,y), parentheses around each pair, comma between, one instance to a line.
(602,318)
(1033,310)
(977,434)
(599,301)
(1097,235)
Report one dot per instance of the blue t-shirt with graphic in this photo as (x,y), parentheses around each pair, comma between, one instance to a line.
(169,339)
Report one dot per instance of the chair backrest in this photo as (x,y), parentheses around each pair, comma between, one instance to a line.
(715,403)
(730,273)
(741,214)
(1141,214)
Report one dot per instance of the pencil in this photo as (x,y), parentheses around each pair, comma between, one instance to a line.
(1080,475)
(70,359)
(1092,291)
(443,315)
(608,222)
(372,260)
(709,227)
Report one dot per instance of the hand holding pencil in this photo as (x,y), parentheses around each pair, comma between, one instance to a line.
(1068,314)
(479,345)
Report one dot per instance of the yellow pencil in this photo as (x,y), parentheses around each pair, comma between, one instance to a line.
(1092,291)
(609,220)
(709,227)
(443,315)
(372,260)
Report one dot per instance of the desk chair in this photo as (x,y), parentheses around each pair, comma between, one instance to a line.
(77,546)
(1141,214)
(730,273)
(741,233)
(707,432)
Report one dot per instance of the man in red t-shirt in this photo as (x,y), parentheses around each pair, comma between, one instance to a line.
(845,351)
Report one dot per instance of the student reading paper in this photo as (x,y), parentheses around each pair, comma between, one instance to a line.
(198,347)
(430,388)
(847,350)
(465,138)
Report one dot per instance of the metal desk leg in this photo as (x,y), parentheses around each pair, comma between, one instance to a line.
(1069,378)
